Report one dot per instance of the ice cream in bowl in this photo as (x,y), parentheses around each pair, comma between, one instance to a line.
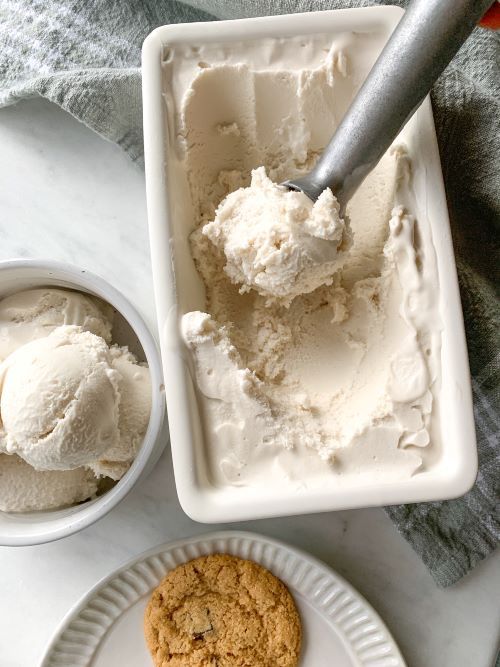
(81,400)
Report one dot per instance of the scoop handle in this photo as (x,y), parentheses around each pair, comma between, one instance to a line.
(421,46)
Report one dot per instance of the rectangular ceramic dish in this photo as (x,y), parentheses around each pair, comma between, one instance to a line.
(451,469)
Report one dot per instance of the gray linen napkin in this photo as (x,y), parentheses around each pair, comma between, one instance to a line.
(84,55)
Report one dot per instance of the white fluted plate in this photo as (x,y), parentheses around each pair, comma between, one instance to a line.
(105,629)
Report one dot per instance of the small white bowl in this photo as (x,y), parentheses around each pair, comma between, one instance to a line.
(28,528)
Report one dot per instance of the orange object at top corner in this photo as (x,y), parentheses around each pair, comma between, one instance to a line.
(492,17)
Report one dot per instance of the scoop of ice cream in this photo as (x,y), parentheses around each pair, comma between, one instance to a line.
(59,400)
(33,314)
(134,411)
(276,241)
(24,489)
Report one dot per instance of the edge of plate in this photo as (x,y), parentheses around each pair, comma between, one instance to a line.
(364,633)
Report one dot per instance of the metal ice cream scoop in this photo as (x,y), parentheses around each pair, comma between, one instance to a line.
(421,46)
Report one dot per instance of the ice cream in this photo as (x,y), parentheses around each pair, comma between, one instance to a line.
(73,408)
(32,314)
(339,375)
(59,400)
(24,489)
(134,409)
(276,241)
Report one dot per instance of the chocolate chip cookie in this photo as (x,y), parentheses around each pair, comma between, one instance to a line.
(222,611)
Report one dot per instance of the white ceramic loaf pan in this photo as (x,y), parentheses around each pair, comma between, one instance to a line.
(452,468)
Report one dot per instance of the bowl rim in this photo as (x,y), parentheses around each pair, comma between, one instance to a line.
(92,511)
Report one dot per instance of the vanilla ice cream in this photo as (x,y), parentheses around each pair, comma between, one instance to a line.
(73,409)
(24,489)
(276,241)
(133,419)
(59,400)
(315,346)
(32,314)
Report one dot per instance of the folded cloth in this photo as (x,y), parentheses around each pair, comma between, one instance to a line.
(84,55)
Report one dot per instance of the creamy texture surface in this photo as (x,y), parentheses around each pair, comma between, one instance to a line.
(59,400)
(340,379)
(73,409)
(133,414)
(276,241)
(33,314)
(24,489)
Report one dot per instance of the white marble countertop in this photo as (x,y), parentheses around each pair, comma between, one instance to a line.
(66,194)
